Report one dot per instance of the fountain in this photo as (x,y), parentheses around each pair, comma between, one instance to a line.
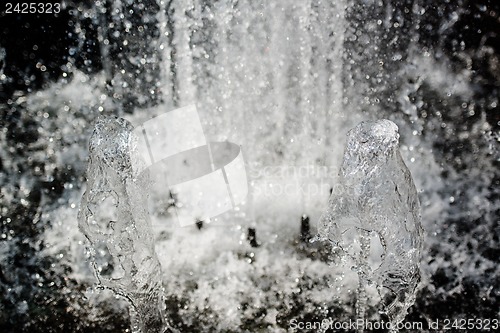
(113,217)
(285,80)
(380,206)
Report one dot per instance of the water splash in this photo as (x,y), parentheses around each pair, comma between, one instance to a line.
(378,209)
(240,59)
(113,216)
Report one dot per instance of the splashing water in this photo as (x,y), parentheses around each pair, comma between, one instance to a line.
(286,79)
(379,205)
(113,216)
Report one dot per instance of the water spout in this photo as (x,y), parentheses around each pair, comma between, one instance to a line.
(113,217)
(380,208)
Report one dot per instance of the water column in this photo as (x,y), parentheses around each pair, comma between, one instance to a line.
(375,225)
(114,218)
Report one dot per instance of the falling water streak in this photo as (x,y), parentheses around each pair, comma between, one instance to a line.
(183,17)
(221,66)
(166,88)
(363,272)
(2,62)
(102,33)
(209,57)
